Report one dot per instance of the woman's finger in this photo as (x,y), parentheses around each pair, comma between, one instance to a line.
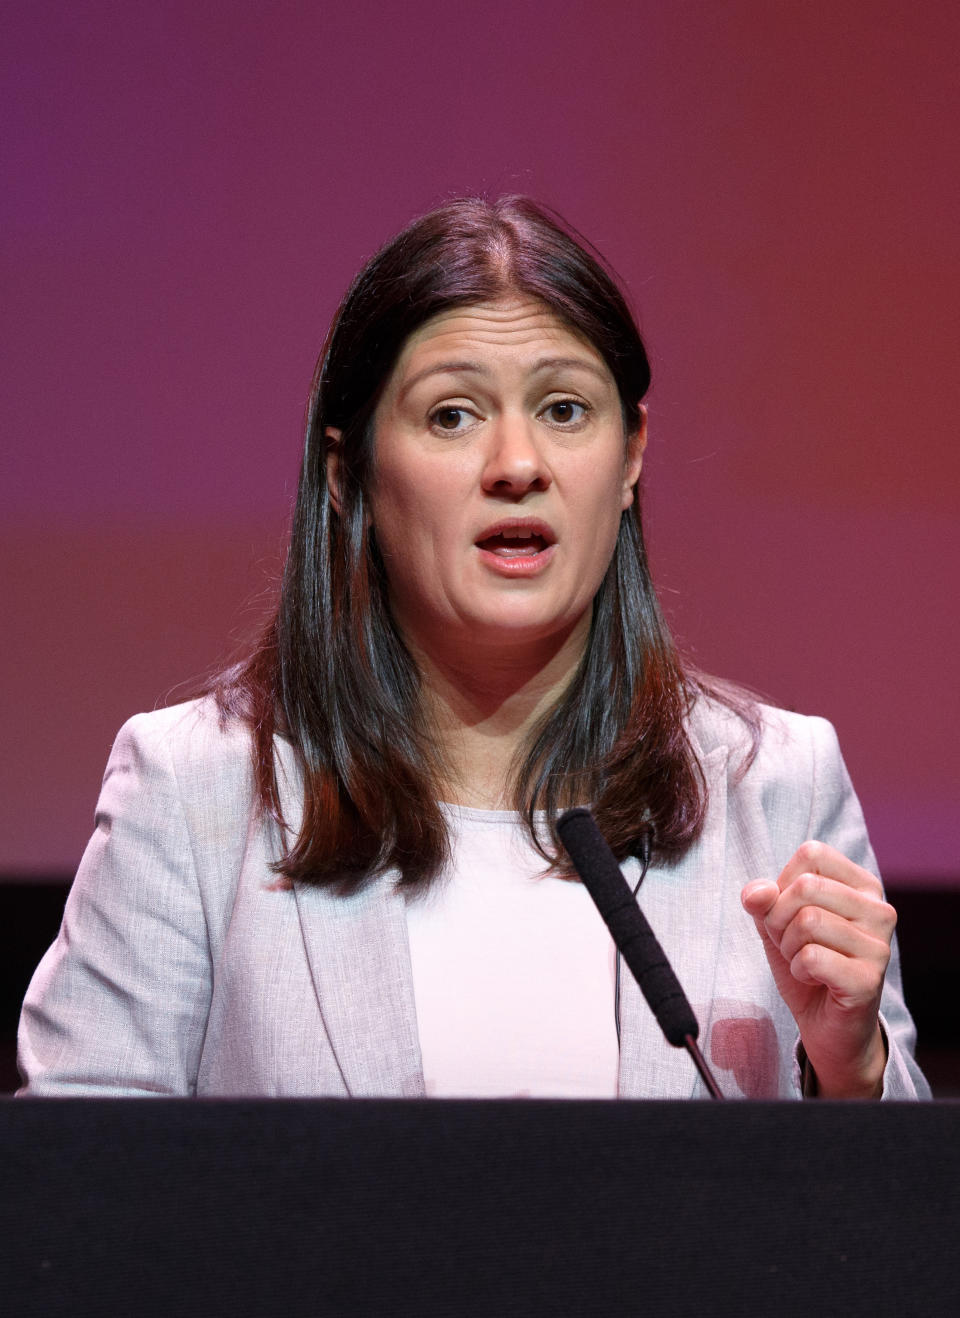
(819,858)
(867,909)
(852,982)
(814,925)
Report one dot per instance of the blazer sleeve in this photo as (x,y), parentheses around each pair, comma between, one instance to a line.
(119,1003)
(836,818)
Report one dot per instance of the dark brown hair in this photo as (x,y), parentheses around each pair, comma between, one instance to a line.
(332,672)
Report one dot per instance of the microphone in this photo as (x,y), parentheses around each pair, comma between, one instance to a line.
(634,939)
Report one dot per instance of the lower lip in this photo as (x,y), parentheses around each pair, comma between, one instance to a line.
(525,565)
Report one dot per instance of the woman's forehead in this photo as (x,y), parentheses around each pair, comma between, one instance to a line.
(516,329)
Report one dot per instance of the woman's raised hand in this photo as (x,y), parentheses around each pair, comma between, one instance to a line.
(826,930)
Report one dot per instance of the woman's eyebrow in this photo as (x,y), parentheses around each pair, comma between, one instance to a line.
(444,368)
(565,363)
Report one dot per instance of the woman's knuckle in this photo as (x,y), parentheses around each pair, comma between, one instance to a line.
(809,853)
(810,920)
(888,916)
(809,887)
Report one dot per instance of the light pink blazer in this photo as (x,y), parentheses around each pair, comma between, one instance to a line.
(184,967)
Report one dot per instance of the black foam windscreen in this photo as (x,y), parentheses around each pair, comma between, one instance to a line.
(629,927)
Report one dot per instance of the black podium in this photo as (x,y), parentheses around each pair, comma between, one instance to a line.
(142,1208)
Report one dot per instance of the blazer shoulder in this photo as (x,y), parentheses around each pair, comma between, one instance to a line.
(194,741)
(789,744)
(795,780)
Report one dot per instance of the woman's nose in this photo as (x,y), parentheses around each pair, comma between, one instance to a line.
(515,463)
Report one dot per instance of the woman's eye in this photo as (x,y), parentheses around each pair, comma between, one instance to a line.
(565,412)
(450,418)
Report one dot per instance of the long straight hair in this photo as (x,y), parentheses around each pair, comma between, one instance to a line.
(332,673)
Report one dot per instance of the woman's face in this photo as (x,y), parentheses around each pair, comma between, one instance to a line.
(500,473)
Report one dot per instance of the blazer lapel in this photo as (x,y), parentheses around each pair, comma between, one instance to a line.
(684,905)
(359,961)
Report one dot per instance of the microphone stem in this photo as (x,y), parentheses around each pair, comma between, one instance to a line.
(690,1043)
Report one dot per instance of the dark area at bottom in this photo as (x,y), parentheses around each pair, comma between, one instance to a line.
(928,932)
(516,1209)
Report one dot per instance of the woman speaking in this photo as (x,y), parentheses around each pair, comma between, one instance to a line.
(338,872)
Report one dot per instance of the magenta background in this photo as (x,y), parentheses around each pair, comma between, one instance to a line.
(188,189)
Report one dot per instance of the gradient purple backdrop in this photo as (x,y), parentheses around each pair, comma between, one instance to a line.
(188,190)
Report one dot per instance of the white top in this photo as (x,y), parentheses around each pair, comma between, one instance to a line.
(513,972)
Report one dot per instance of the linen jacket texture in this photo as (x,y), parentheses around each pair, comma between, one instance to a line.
(184,966)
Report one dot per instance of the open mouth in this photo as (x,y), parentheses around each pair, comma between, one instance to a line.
(513,546)
(517,540)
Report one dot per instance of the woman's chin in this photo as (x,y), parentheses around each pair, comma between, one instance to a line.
(522,637)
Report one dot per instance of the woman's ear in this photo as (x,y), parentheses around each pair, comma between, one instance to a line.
(633,465)
(334,438)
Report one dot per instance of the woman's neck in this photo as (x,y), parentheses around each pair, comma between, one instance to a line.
(482,712)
